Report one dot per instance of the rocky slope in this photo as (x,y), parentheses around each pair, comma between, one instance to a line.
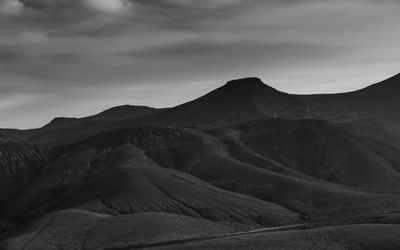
(242,157)
(380,99)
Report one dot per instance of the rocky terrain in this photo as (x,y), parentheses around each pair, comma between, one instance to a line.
(245,166)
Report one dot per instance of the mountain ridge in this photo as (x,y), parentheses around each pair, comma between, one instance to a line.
(241,157)
(379,99)
(236,101)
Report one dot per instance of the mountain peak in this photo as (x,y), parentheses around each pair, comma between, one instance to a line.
(245,80)
(248,81)
(248,85)
(127,107)
(60,122)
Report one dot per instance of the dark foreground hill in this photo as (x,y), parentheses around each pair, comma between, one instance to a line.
(121,179)
(310,167)
(109,188)
(123,187)
(366,237)
(80,229)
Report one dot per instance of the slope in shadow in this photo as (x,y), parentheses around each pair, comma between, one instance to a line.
(121,179)
(236,159)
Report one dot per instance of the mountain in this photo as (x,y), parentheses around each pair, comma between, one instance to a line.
(216,170)
(118,179)
(175,183)
(112,114)
(380,99)
(324,151)
(266,159)
(60,123)
(105,186)
(237,101)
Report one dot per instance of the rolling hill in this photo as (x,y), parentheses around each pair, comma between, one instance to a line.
(61,123)
(121,179)
(79,229)
(242,157)
(368,237)
(380,99)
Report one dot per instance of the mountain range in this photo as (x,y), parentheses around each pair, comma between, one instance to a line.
(235,164)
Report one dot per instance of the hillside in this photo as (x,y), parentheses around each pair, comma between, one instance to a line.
(380,99)
(243,157)
(366,237)
(74,228)
(119,179)
(109,115)
(19,164)
(237,159)
(59,124)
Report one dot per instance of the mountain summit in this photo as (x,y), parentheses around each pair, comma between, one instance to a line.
(248,86)
(249,82)
(237,101)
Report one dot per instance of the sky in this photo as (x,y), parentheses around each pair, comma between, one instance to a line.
(74,58)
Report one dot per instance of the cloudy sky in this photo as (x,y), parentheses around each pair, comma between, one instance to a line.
(78,57)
